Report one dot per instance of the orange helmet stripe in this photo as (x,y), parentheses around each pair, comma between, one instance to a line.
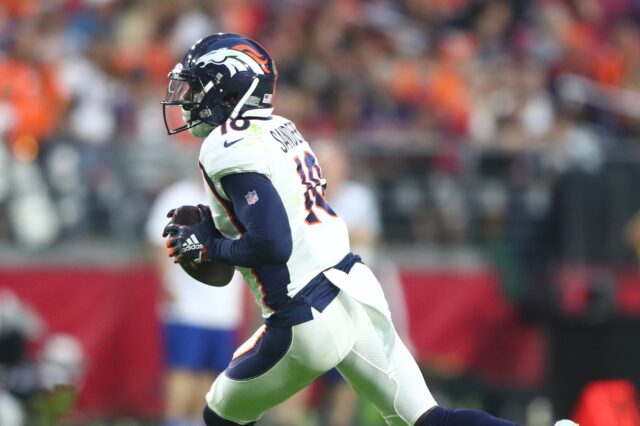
(255,55)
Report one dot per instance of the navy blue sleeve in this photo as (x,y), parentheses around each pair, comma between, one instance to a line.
(267,237)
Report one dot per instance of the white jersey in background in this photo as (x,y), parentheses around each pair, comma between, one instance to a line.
(191,302)
(273,147)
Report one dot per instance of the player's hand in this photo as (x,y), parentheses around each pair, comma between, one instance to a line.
(191,243)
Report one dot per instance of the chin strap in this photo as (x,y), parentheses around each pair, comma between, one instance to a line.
(244,98)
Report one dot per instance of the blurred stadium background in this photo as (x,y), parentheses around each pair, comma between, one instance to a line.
(500,139)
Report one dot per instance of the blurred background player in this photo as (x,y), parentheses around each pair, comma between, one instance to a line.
(200,324)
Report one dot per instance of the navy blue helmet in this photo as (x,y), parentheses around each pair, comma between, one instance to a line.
(221,77)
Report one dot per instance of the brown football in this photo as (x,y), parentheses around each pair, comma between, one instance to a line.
(214,272)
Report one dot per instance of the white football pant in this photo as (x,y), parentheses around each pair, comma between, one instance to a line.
(355,334)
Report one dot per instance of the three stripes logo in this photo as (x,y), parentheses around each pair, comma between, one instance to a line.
(192,243)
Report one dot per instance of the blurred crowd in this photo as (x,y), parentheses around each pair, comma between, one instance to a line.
(84,146)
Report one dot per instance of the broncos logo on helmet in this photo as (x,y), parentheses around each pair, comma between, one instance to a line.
(236,58)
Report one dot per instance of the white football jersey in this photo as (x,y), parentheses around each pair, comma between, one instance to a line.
(273,147)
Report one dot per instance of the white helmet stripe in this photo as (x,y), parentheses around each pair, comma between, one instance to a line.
(244,98)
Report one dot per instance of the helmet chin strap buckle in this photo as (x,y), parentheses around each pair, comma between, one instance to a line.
(236,111)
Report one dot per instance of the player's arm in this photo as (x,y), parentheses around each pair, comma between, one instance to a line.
(267,234)
(266,239)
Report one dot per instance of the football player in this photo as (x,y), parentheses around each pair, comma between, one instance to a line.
(268,216)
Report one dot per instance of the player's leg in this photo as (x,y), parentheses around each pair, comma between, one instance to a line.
(202,386)
(339,403)
(439,416)
(381,369)
(291,412)
(218,347)
(183,349)
(275,364)
(395,385)
(378,366)
(258,379)
(388,377)
(178,395)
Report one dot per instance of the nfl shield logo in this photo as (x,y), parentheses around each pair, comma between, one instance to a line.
(251,197)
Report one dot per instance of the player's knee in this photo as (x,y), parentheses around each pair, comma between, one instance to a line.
(212,419)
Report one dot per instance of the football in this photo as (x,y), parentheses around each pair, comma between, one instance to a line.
(214,272)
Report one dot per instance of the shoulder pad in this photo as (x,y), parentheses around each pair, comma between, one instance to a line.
(234,151)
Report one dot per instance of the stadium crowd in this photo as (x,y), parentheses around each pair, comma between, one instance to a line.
(81,83)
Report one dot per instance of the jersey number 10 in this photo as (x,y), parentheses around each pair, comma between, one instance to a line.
(311,176)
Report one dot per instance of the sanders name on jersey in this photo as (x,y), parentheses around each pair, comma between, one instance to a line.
(288,136)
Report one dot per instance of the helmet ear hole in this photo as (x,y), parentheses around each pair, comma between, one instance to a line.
(231,99)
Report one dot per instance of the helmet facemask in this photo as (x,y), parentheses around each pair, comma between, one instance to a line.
(183,108)
(185,105)
(191,98)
